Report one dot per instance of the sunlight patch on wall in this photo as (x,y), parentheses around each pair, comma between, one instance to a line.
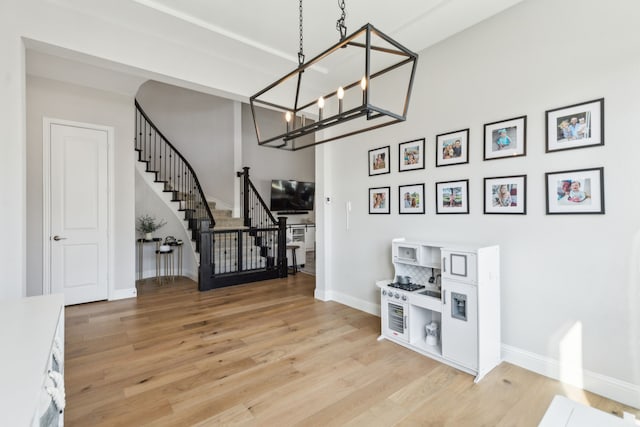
(570,349)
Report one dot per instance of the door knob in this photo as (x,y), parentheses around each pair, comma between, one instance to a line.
(56,238)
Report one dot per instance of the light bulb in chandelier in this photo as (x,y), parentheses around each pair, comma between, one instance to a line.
(287,117)
(320,107)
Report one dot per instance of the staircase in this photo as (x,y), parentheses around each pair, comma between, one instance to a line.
(231,250)
(224,218)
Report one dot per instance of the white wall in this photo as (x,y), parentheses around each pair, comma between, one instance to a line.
(267,164)
(49,98)
(13,166)
(200,126)
(559,273)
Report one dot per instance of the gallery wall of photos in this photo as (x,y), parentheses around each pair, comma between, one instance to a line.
(578,191)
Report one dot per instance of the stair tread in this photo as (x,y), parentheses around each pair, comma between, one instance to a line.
(229,227)
(222,212)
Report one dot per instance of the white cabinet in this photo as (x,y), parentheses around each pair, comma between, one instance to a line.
(310,237)
(460,323)
(297,235)
(32,386)
(303,235)
(459,265)
(415,253)
(465,304)
(471,307)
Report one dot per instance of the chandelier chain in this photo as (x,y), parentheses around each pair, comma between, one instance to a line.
(301,52)
(340,25)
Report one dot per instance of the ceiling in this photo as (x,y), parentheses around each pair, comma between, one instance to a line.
(261,35)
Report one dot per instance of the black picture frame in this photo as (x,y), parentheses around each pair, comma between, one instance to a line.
(565,197)
(411,155)
(452,197)
(575,126)
(514,202)
(379,162)
(411,199)
(452,148)
(376,206)
(514,134)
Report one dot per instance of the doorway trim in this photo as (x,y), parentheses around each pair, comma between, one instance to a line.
(47,122)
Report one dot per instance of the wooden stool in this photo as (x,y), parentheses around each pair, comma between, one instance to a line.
(294,262)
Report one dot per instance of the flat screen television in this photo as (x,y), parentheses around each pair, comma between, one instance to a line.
(290,195)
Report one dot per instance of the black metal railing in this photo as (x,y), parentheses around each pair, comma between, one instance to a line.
(254,209)
(255,252)
(257,216)
(174,171)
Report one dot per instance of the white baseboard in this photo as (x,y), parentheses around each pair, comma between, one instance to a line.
(611,388)
(321,295)
(350,301)
(123,294)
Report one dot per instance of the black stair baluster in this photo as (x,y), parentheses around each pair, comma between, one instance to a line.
(135,137)
(161,159)
(156,154)
(152,152)
(146,157)
(165,175)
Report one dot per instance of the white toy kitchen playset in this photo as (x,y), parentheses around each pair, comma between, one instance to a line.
(444,303)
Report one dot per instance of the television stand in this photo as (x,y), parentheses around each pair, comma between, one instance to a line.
(292,213)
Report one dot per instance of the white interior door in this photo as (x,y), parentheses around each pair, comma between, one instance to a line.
(79,212)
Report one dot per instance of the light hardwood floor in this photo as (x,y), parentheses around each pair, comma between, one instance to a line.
(269,354)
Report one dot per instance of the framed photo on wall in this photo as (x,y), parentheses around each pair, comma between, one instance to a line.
(452,197)
(411,155)
(379,199)
(411,199)
(379,161)
(505,195)
(575,126)
(578,191)
(506,138)
(452,148)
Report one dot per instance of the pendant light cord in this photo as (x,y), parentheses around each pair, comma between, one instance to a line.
(301,52)
(340,25)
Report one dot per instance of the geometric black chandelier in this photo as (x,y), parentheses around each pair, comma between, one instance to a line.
(361,83)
